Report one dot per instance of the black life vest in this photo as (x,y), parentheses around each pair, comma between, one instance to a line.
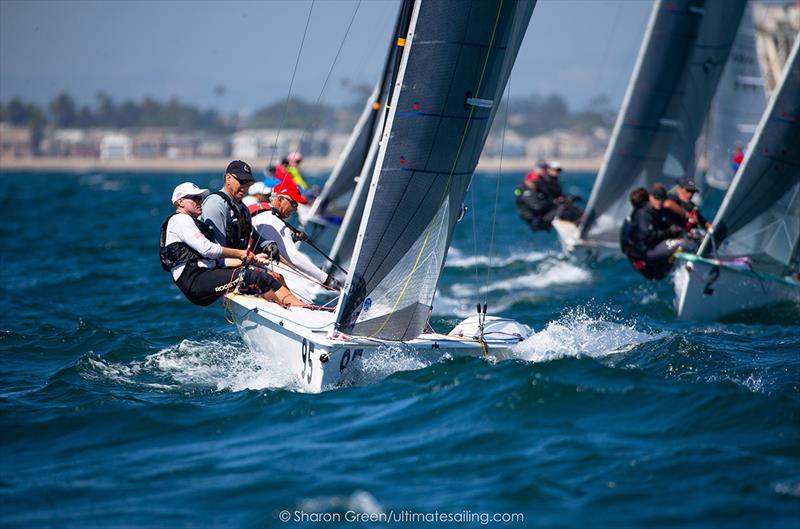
(629,241)
(237,233)
(178,253)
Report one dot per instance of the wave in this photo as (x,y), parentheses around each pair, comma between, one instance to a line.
(457,259)
(578,334)
(550,274)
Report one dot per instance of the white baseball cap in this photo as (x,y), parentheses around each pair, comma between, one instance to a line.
(258,189)
(187,189)
(555,165)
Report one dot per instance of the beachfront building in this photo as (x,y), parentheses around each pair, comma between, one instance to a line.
(115,146)
(15,142)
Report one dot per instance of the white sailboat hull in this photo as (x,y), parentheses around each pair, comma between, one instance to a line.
(584,251)
(297,344)
(707,289)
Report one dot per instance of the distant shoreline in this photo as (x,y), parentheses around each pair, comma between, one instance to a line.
(509,165)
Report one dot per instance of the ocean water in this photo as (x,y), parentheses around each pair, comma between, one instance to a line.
(123,405)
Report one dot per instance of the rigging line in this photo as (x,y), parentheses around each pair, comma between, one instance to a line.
(474,235)
(333,65)
(291,84)
(497,195)
(449,178)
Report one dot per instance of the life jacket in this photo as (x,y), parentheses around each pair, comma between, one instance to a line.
(258,207)
(178,253)
(237,233)
(629,241)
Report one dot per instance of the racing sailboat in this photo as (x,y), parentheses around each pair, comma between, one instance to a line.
(753,256)
(683,53)
(432,135)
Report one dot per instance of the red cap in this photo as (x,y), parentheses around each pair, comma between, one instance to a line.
(288,188)
(532,176)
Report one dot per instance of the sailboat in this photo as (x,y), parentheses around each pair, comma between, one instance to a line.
(455,60)
(683,53)
(753,256)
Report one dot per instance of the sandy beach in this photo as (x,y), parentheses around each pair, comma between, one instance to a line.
(508,165)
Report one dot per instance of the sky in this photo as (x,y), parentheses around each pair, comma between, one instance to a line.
(580,49)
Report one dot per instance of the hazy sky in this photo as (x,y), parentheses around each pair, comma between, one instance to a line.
(130,49)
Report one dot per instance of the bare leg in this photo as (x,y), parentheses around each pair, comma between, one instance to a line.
(283,296)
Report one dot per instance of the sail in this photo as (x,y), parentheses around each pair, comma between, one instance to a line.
(737,106)
(456,61)
(344,243)
(760,215)
(685,47)
(342,179)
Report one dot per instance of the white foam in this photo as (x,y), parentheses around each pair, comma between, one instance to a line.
(359,501)
(578,334)
(222,365)
(550,274)
(384,362)
(457,259)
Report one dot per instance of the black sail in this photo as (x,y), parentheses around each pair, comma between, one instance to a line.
(456,62)
(683,53)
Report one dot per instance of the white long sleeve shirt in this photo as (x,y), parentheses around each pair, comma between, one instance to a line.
(271,228)
(181,228)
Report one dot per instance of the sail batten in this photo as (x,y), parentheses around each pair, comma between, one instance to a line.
(456,53)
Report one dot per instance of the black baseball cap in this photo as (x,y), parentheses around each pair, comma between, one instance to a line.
(689,185)
(240,170)
(658,192)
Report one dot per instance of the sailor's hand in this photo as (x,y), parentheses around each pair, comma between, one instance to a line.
(299,235)
(333,283)
(273,252)
(261,258)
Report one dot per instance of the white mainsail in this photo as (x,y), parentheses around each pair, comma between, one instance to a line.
(760,215)
(737,106)
(455,64)
(686,45)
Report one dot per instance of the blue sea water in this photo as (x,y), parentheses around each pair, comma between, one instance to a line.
(123,405)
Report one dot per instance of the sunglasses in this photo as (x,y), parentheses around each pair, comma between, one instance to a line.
(293,203)
(198,199)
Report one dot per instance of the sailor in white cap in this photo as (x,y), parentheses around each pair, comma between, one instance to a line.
(198,264)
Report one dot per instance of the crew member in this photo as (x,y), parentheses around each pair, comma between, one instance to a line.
(272,227)
(655,230)
(224,211)
(198,264)
(632,241)
(682,195)
(564,205)
(257,199)
(290,166)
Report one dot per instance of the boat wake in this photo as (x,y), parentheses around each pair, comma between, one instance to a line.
(229,365)
(220,365)
(459,299)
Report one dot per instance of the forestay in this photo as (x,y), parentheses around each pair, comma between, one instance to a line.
(760,215)
(685,47)
(737,106)
(456,62)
